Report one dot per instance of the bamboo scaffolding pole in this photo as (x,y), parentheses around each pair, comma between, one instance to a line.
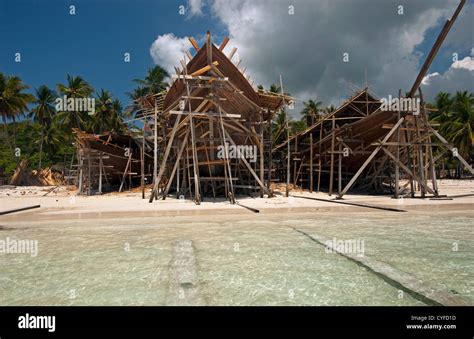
(331,174)
(311,163)
(369,159)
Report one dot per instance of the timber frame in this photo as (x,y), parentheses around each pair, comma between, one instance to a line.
(211,106)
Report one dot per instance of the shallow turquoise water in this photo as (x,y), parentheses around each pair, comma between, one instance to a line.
(248,259)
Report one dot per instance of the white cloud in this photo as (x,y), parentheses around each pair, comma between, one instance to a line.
(466,63)
(167,50)
(426,80)
(306,48)
(195,7)
(459,77)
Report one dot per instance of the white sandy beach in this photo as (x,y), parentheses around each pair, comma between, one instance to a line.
(62,202)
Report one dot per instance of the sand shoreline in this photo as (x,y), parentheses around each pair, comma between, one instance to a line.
(62,203)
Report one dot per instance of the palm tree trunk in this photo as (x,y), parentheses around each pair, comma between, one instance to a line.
(41,146)
(78,124)
(14,133)
(5,125)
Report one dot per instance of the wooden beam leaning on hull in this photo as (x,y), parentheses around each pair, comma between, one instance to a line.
(369,159)
(260,183)
(154,192)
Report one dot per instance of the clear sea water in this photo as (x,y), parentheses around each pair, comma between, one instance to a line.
(245,259)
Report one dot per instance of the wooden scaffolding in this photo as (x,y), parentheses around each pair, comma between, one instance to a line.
(212,113)
(376,147)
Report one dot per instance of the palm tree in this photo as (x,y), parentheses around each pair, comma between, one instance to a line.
(76,87)
(116,122)
(443,102)
(458,124)
(278,126)
(53,139)
(103,108)
(275,89)
(329,109)
(279,123)
(311,111)
(154,81)
(108,114)
(135,96)
(297,126)
(13,102)
(43,112)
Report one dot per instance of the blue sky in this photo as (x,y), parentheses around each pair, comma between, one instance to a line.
(92,43)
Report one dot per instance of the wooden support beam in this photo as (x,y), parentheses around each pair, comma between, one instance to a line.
(89,178)
(210,114)
(231,55)
(100,173)
(262,185)
(397,168)
(224,43)
(369,159)
(339,175)
(194,43)
(311,173)
(125,172)
(164,160)
(409,172)
(262,165)
(331,174)
(460,158)
(434,50)
(176,164)
(204,69)
(189,55)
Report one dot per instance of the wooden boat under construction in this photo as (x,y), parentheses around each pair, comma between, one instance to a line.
(211,112)
(212,109)
(110,161)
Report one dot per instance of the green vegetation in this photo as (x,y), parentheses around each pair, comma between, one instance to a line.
(33,129)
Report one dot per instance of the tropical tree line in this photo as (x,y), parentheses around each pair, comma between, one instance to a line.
(31,121)
(46,132)
(312,111)
(453,113)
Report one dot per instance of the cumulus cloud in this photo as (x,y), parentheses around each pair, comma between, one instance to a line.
(466,63)
(195,7)
(459,77)
(307,48)
(168,49)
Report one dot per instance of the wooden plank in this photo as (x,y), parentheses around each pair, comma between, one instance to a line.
(248,165)
(19,209)
(409,172)
(331,174)
(194,43)
(211,114)
(224,43)
(164,160)
(231,55)
(189,55)
(178,159)
(369,159)
(204,69)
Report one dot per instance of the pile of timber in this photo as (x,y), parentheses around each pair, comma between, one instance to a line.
(42,177)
